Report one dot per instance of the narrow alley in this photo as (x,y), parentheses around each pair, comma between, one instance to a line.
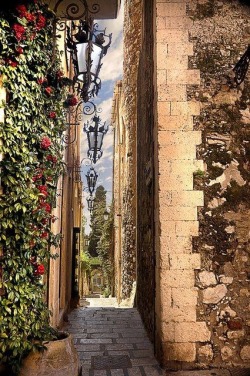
(111,341)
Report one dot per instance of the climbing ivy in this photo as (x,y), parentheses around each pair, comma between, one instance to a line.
(31,148)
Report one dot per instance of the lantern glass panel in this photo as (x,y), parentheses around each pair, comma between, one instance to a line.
(91,137)
(99,140)
(82,58)
(95,57)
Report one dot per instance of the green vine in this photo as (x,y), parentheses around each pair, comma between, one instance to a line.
(32,162)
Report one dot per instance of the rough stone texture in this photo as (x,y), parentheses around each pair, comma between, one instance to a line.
(60,358)
(226,353)
(207,278)
(145,178)
(132,41)
(213,295)
(245,353)
(220,34)
(205,354)
(201,143)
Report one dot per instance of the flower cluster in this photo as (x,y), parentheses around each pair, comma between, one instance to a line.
(19,31)
(45,143)
(71,100)
(28,64)
(37,19)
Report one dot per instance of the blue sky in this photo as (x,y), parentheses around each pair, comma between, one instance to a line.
(111,71)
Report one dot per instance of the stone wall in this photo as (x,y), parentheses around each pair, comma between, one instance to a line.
(220,32)
(145,176)
(132,43)
(177,328)
(203,123)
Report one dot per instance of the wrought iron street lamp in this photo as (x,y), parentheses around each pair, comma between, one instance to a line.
(91,179)
(95,132)
(87,45)
(90,202)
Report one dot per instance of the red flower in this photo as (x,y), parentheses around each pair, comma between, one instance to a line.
(43,189)
(38,174)
(48,90)
(52,115)
(45,221)
(41,22)
(45,206)
(22,10)
(19,50)
(73,101)
(51,158)
(19,31)
(40,269)
(29,17)
(44,235)
(41,81)
(12,63)
(45,143)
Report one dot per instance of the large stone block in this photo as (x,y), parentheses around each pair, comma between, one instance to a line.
(183,76)
(187,198)
(172,92)
(178,314)
(177,278)
(171,123)
(182,23)
(179,137)
(182,352)
(184,297)
(171,62)
(178,151)
(161,76)
(183,108)
(170,243)
(179,213)
(176,182)
(187,228)
(192,332)
(171,9)
(185,261)
(163,108)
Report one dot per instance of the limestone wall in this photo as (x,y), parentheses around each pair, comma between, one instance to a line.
(203,134)
(145,174)
(220,32)
(132,44)
(177,327)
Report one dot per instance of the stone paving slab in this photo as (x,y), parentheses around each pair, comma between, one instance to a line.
(112,341)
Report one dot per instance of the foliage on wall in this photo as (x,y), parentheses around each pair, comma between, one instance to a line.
(105,252)
(31,149)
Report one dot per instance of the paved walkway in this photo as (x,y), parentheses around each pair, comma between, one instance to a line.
(111,341)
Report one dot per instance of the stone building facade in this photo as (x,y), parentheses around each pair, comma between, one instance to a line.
(187,126)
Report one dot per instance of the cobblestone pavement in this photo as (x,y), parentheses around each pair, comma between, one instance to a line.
(111,341)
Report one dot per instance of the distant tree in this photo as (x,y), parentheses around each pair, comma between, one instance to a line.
(105,252)
(97,220)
